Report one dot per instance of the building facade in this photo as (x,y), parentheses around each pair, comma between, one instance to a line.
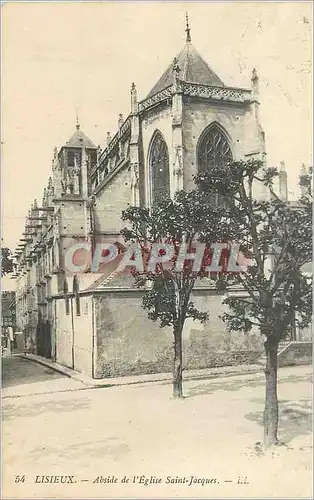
(94,323)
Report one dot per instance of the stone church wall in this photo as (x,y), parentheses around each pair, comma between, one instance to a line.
(83,337)
(64,335)
(197,115)
(72,218)
(74,337)
(130,344)
(110,202)
(156,119)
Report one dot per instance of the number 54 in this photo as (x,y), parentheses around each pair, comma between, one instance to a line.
(19,479)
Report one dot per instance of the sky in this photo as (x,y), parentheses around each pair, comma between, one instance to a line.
(61,57)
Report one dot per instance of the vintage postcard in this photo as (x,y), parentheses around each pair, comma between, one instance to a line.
(156,292)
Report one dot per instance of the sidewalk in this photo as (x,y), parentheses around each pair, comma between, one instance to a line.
(205,373)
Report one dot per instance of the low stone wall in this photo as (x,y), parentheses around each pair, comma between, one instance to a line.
(212,359)
(163,363)
(130,344)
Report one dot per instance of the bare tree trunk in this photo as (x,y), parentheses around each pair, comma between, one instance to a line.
(271,400)
(177,365)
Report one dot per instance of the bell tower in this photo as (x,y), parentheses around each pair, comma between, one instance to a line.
(72,168)
(77,158)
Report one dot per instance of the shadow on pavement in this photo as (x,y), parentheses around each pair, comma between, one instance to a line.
(234,384)
(295,419)
(19,371)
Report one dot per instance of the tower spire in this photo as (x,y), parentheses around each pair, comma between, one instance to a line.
(77,120)
(187,29)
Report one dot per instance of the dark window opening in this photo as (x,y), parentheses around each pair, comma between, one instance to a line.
(70,158)
(77,297)
(214,152)
(93,159)
(66,297)
(77,305)
(159,169)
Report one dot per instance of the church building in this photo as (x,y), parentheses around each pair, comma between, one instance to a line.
(94,323)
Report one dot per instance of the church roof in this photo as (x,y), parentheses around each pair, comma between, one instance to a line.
(114,275)
(193,69)
(79,140)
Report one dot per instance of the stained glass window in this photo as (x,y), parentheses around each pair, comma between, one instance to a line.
(159,169)
(214,149)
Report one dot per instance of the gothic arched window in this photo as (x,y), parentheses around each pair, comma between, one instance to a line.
(159,169)
(214,150)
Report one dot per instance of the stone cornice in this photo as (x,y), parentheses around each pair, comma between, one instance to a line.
(155,99)
(217,93)
(125,127)
(232,94)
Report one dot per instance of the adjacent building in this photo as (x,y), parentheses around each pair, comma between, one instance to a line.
(8,318)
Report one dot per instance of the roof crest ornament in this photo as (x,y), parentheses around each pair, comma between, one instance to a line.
(176,68)
(188,29)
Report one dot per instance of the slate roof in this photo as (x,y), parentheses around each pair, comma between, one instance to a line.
(79,140)
(193,69)
(114,275)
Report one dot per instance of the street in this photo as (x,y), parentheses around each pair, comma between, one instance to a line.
(22,377)
(136,441)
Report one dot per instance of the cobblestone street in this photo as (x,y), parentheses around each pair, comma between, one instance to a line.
(139,430)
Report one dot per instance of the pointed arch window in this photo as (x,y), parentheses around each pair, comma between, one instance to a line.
(214,149)
(159,169)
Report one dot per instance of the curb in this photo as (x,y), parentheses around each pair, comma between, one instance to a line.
(63,370)
(151,378)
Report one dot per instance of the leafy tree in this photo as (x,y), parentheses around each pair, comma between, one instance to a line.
(187,219)
(278,237)
(7,265)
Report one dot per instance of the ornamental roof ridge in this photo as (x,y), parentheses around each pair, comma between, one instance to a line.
(115,139)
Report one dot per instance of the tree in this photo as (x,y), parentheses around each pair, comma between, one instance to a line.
(7,265)
(278,237)
(187,219)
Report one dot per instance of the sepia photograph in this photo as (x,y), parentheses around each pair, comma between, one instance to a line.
(156,249)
